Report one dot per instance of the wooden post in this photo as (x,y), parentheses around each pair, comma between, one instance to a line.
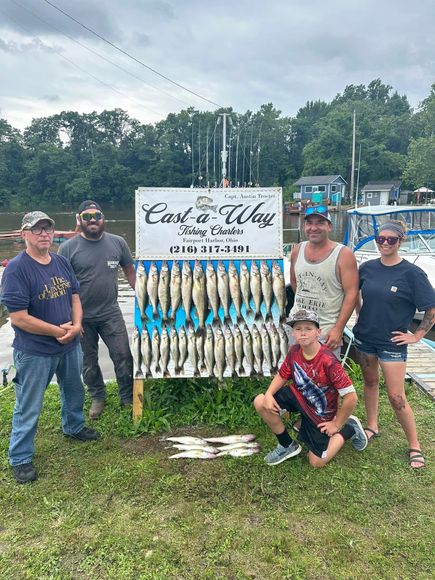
(137,398)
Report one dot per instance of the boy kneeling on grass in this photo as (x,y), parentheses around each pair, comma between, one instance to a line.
(317,380)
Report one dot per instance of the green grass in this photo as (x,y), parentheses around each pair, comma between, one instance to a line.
(118,508)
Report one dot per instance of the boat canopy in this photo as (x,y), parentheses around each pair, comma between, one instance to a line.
(363,225)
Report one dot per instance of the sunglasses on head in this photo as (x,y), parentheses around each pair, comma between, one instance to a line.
(36,230)
(88,216)
(316,209)
(391,240)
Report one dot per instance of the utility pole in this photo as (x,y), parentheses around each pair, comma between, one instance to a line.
(352,174)
(357,177)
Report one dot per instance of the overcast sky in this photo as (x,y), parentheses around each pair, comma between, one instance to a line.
(237,53)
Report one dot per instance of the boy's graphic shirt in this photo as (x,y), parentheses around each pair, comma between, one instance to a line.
(316,383)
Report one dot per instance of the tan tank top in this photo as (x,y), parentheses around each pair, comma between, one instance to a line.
(318,288)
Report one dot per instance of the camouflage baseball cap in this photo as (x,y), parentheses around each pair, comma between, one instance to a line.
(303,316)
(33,217)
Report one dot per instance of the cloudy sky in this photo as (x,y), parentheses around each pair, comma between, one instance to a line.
(239,53)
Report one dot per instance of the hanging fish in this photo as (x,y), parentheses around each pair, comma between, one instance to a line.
(164,290)
(135,352)
(175,350)
(199,339)
(245,286)
(165,352)
(255,285)
(219,354)
(283,341)
(155,348)
(234,284)
(275,344)
(212,290)
(230,354)
(182,343)
(223,290)
(186,290)
(193,353)
(238,348)
(145,348)
(247,349)
(153,288)
(267,348)
(141,289)
(175,288)
(257,347)
(209,351)
(278,285)
(199,295)
(266,288)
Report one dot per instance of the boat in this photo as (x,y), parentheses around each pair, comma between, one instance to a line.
(418,245)
(59,235)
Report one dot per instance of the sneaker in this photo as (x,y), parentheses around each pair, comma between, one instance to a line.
(24,473)
(359,440)
(280,453)
(86,434)
(96,408)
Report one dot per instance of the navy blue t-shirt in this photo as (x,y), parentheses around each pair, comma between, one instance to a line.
(45,291)
(391,295)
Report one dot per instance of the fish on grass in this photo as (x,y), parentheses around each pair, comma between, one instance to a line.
(242,452)
(187,440)
(229,439)
(194,454)
(206,448)
(231,446)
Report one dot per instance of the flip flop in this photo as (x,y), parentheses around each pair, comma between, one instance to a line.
(374,434)
(417,458)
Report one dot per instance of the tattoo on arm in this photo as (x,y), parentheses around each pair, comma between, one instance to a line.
(428,320)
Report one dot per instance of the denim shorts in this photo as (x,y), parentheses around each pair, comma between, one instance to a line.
(384,353)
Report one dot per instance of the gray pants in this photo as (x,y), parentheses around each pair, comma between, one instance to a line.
(114,334)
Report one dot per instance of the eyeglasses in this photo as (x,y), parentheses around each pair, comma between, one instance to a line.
(36,230)
(391,240)
(316,209)
(87,217)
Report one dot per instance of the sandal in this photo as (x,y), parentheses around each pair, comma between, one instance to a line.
(418,457)
(374,434)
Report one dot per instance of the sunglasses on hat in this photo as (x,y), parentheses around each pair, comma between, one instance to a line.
(316,209)
(88,216)
(391,240)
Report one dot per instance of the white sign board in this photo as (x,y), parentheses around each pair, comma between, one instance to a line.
(216,223)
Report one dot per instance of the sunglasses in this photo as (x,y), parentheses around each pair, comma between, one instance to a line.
(87,216)
(316,209)
(391,240)
(36,230)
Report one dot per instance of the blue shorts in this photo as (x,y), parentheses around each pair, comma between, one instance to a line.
(385,353)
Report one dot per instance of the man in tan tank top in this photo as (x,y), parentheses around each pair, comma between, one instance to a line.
(324,276)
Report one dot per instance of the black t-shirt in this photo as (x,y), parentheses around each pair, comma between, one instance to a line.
(391,295)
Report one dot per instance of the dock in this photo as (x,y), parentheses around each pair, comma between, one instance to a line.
(420,366)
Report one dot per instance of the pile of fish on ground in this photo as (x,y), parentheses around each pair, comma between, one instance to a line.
(223,344)
(201,448)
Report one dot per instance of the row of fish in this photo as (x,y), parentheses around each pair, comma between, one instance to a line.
(211,354)
(202,448)
(210,290)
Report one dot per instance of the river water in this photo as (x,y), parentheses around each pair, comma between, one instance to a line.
(122,223)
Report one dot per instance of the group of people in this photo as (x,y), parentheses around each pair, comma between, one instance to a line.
(328,286)
(61,304)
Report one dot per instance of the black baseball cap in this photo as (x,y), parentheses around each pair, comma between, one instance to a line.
(89,204)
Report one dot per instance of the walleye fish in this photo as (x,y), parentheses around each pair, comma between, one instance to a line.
(187,440)
(135,352)
(247,350)
(145,348)
(200,350)
(278,285)
(164,352)
(255,285)
(206,448)
(238,348)
(155,348)
(276,350)
(141,289)
(238,452)
(245,286)
(209,350)
(234,284)
(175,350)
(229,439)
(223,290)
(219,353)
(164,290)
(199,295)
(266,288)
(283,341)
(212,289)
(257,347)
(182,344)
(230,353)
(193,353)
(186,290)
(267,348)
(243,445)
(153,288)
(194,454)
(175,288)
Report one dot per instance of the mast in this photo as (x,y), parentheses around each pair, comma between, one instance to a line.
(224,152)
(352,174)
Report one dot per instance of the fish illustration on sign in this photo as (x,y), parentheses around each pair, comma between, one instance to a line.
(203,203)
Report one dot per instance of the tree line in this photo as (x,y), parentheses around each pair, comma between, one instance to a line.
(67,157)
